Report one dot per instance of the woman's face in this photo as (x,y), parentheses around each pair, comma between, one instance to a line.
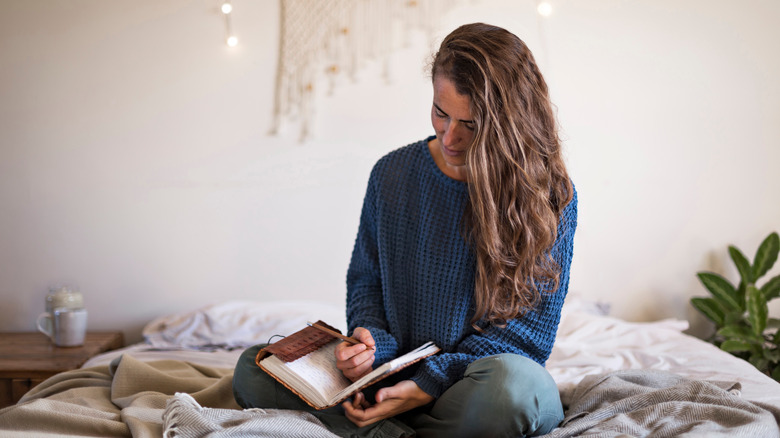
(452,121)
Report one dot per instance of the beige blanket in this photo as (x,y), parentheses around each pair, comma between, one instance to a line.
(124,399)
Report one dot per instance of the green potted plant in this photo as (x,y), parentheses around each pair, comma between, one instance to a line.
(741,315)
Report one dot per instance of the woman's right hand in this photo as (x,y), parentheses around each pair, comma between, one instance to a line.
(356,360)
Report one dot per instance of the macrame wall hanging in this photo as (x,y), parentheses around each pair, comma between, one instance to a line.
(322,39)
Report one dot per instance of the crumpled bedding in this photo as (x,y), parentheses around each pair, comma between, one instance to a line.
(139,399)
(237,324)
(616,378)
(590,344)
(641,403)
(128,399)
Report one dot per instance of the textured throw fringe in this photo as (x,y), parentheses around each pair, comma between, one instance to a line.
(185,418)
(175,409)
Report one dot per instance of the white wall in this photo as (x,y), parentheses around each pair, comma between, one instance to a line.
(135,160)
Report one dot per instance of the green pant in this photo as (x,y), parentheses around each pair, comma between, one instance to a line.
(506,395)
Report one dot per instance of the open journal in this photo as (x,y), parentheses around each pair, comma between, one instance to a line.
(305,362)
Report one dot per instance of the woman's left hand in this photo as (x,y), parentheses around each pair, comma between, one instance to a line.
(391,401)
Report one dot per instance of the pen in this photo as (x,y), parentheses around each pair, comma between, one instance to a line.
(352,341)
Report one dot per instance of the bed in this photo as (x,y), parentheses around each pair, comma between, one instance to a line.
(616,378)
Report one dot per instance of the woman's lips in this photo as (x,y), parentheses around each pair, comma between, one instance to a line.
(451,152)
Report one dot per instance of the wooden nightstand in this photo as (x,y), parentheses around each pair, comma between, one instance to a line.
(27,359)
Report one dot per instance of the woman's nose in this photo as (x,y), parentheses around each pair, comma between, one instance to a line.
(451,135)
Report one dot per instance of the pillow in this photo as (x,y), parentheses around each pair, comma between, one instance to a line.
(576,302)
(239,323)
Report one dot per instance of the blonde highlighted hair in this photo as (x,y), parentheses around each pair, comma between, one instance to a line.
(517,179)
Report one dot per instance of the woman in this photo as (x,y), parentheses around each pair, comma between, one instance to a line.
(465,239)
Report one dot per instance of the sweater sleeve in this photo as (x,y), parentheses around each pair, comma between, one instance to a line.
(364,284)
(531,335)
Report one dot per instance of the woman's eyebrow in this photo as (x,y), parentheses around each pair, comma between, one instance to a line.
(443,112)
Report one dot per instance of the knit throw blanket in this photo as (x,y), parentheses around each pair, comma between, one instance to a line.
(641,403)
(185,418)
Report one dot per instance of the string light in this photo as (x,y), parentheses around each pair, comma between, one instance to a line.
(232,40)
(544,9)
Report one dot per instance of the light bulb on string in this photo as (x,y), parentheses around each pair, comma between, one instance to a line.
(231,40)
(544,9)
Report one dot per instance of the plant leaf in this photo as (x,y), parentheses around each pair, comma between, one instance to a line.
(758,311)
(733,317)
(740,333)
(766,255)
(732,346)
(771,288)
(773,323)
(741,294)
(710,308)
(721,289)
(743,265)
(772,355)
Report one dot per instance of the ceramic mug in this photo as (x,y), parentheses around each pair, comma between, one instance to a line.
(64,326)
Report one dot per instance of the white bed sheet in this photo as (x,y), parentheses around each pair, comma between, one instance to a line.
(592,344)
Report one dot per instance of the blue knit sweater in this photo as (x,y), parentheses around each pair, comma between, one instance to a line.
(411,277)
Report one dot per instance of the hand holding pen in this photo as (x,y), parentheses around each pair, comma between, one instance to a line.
(356,360)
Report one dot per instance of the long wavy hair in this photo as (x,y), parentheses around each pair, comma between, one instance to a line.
(517,179)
